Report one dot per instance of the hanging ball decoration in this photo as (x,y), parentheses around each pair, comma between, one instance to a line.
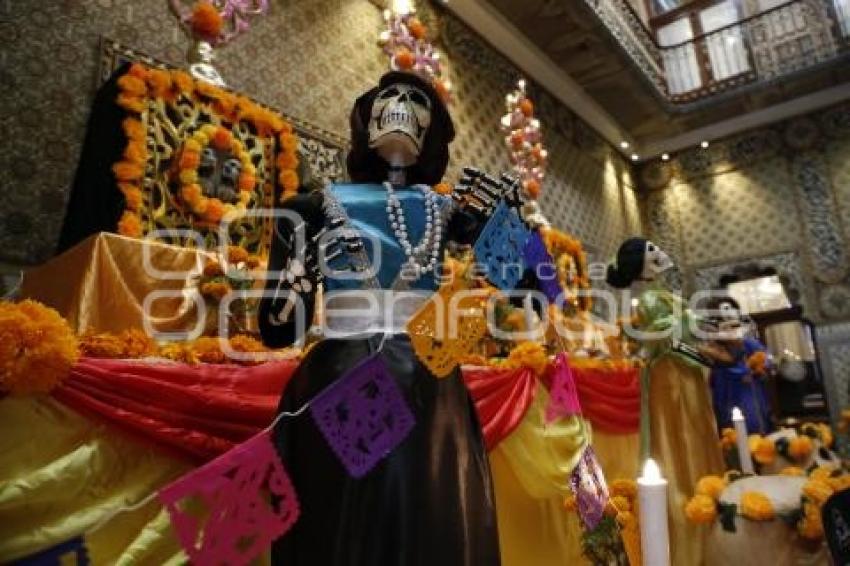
(404,59)
(526,107)
(417,29)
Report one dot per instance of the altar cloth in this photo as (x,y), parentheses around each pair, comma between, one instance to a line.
(102,282)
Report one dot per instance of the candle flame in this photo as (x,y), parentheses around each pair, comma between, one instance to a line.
(651,471)
(737,415)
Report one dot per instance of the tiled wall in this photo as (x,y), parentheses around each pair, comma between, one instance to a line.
(308,57)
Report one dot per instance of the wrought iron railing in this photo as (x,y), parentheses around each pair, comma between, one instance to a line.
(786,39)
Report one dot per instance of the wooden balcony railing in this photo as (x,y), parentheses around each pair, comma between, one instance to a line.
(789,38)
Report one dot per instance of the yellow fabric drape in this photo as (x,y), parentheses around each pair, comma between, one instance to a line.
(531,470)
(101,284)
(685,445)
(61,474)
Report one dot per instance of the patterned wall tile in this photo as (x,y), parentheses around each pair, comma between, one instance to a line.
(310,59)
(742,213)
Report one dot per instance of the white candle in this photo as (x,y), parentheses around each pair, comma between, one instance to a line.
(652,498)
(740,424)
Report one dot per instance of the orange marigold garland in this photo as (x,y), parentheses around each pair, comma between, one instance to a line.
(37,348)
(138,85)
(211,209)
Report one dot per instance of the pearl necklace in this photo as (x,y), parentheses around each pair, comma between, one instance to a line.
(431,237)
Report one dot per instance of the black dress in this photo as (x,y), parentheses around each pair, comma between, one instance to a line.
(429,502)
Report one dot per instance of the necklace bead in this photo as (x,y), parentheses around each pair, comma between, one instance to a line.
(422,258)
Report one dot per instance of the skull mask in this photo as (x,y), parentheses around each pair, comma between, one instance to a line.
(655,262)
(218,175)
(401,115)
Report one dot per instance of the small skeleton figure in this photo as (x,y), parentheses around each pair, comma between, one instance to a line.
(201,67)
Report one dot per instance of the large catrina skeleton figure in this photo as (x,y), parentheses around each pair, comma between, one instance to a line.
(677,422)
(430,501)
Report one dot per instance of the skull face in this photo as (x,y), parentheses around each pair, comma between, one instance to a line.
(229,182)
(401,115)
(655,262)
(218,175)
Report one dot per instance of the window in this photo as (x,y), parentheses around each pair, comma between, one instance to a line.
(680,62)
(727,52)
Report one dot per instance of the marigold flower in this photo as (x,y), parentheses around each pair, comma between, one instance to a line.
(136,152)
(792,471)
(37,348)
(417,29)
(189,160)
(528,354)
(191,194)
(131,103)
(222,139)
(214,210)
(821,473)
(287,160)
(810,526)
(701,509)
(127,171)
(757,362)
(208,350)
(756,506)
(101,345)
(711,486)
(137,344)
(213,269)
(183,82)
(288,142)
(817,491)
(404,59)
(188,176)
(133,129)
(215,289)
(762,449)
(288,179)
(132,86)
(800,448)
(130,225)
(132,196)
(236,254)
(253,261)
(443,188)
(206,22)
(138,70)
(625,487)
(247,182)
(532,187)
(159,81)
(621,503)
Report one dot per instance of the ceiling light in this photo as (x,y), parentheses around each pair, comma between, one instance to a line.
(624,144)
(665,157)
(635,157)
(704,144)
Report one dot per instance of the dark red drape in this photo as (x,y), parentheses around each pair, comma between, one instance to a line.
(204,410)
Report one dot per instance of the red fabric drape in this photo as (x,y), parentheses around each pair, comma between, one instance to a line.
(201,411)
(204,410)
(501,398)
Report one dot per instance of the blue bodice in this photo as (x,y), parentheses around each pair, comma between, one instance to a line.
(366,207)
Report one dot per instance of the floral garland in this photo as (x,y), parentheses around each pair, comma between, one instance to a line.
(618,532)
(524,141)
(705,506)
(142,83)
(213,209)
(136,344)
(797,449)
(559,244)
(37,348)
(405,41)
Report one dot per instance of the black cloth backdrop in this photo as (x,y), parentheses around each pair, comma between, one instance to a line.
(96,204)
